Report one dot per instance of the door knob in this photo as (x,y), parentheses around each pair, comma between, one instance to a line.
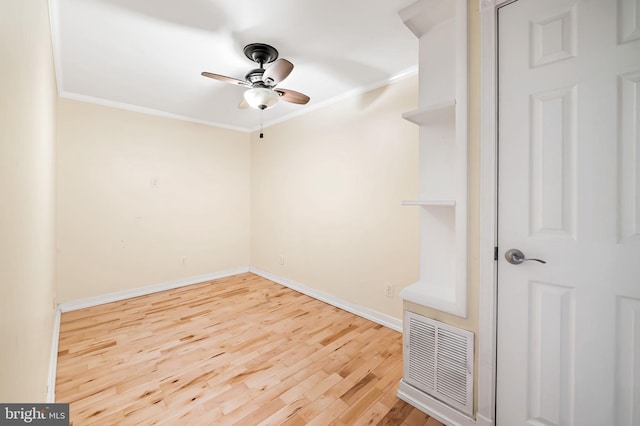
(516,257)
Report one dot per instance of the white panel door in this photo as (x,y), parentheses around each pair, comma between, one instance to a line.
(569,193)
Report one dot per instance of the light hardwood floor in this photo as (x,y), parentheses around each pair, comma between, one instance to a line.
(239,350)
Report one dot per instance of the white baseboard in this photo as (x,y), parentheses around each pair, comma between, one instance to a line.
(53,360)
(375,316)
(436,409)
(483,420)
(143,291)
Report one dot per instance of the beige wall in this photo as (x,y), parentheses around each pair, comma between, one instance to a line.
(136,193)
(326,193)
(27,119)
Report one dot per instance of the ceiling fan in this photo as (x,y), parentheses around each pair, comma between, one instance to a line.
(261,83)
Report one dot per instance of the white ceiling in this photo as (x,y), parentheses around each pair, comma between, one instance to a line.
(147,55)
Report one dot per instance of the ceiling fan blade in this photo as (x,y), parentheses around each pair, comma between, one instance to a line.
(293,96)
(226,79)
(277,72)
(243,104)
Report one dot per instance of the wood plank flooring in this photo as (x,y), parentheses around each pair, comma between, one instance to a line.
(239,350)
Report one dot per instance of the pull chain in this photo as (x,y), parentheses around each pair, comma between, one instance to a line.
(261,114)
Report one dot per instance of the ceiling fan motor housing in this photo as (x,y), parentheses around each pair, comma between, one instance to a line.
(254,76)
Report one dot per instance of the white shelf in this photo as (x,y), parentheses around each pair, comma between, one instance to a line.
(440,296)
(423,15)
(440,114)
(430,203)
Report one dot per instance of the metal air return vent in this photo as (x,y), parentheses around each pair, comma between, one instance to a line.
(438,360)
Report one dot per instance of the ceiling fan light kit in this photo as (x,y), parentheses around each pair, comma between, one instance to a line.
(261,82)
(261,97)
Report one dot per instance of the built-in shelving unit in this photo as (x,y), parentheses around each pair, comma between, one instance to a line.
(441,26)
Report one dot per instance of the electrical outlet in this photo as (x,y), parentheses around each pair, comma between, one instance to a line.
(388,290)
(183,260)
(281,260)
